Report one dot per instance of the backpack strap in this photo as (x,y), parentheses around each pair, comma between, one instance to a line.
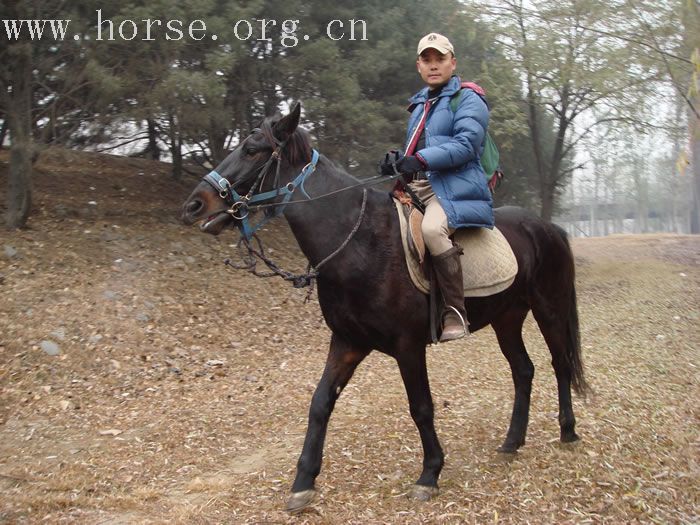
(490,157)
(457,97)
(474,87)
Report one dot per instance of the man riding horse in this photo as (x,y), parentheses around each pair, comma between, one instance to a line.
(441,166)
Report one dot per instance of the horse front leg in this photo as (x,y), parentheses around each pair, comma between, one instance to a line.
(341,363)
(414,373)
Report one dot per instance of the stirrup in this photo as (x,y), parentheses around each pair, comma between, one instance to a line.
(461,318)
(453,336)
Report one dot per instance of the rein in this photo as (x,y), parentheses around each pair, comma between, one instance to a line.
(298,280)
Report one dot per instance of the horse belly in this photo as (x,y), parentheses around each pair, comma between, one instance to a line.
(374,317)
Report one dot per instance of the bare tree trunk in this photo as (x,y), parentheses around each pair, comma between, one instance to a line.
(3,131)
(691,24)
(19,114)
(217,144)
(152,150)
(614,200)
(606,217)
(595,207)
(620,218)
(547,204)
(695,148)
(176,151)
(554,176)
(175,147)
(546,186)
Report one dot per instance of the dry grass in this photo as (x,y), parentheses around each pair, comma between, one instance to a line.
(129,424)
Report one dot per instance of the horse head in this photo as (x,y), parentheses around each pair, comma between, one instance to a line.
(259,163)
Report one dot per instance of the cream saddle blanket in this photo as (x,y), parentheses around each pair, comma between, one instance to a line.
(488,263)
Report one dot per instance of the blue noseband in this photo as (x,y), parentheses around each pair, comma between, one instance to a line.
(240,205)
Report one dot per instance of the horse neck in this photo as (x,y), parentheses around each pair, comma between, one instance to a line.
(321,225)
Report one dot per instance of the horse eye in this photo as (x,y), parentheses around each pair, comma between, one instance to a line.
(249,151)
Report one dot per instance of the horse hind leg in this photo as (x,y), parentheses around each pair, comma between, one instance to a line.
(554,331)
(554,307)
(508,330)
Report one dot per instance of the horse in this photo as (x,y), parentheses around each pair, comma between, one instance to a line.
(350,233)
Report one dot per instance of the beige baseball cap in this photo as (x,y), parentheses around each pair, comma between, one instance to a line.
(436,41)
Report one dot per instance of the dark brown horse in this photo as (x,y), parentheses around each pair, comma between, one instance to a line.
(368,300)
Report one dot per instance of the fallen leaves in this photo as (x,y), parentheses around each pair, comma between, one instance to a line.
(182,388)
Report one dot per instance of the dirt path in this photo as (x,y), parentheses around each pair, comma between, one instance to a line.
(180,389)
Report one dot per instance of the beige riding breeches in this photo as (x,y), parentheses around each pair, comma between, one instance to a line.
(435,230)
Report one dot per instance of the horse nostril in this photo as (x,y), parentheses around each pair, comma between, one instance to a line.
(194,206)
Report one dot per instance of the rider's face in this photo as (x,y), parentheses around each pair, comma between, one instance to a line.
(435,68)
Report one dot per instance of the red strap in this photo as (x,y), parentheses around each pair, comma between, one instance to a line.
(416,134)
(495,180)
(474,87)
(421,124)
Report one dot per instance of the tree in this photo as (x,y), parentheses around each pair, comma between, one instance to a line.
(45,86)
(16,62)
(201,96)
(691,43)
(15,84)
(570,66)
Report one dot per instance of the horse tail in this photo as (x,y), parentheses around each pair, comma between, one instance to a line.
(573,335)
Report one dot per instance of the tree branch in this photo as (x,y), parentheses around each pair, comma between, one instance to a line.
(109,148)
(651,34)
(565,172)
(499,10)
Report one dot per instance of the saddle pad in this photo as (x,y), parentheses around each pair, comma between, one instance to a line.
(488,263)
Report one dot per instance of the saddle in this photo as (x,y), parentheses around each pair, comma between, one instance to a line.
(489,265)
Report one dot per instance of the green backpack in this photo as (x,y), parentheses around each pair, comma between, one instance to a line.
(490,156)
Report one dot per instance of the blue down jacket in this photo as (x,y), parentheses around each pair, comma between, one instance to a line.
(453,147)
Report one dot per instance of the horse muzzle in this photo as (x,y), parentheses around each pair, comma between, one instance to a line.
(191,211)
(214,224)
(194,211)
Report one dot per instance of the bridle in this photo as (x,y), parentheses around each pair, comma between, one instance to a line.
(240,208)
(240,205)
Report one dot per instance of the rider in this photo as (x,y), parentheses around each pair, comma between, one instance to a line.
(442,167)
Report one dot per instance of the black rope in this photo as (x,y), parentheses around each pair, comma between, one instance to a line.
(249,263)
(302,280)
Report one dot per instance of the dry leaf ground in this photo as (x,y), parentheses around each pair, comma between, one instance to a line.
(181,388)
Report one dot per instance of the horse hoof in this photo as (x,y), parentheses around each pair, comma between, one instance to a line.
(423,492)
(298,501)
(508,448)
(569,438)
(569,442)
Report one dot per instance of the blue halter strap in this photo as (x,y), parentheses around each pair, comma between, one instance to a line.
(240,205)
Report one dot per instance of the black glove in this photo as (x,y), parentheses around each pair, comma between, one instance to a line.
(410,164)
(386,166)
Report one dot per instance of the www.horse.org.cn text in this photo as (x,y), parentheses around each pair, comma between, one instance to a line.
(286,32)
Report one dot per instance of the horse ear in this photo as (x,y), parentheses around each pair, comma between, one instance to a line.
(288,124)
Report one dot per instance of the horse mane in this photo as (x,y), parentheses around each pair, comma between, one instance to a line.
(341,169)
(298,146)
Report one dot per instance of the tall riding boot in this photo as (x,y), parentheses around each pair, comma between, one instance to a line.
(448,273)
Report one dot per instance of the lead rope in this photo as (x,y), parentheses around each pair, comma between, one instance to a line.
(298,280)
